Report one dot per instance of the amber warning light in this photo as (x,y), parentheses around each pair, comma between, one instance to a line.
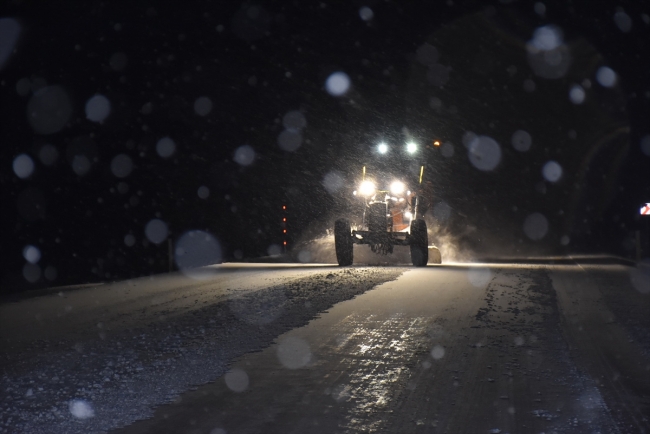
(436,143)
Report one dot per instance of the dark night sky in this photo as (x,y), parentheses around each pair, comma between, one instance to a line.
(258,61)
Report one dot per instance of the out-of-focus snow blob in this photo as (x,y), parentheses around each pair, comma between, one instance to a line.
(479,276)
(31,272)
(337,84)
(623,21)
(49,110)
(540,9)
(250,22)
(31,254)
(218,430)
(98,108)
(23,166)
(244,155)
(294,352)
(468,138)
(606,76)
(427,54)
(577,94)
(203,192)
(304,256)
(48,154)
(333,181)
(122,165)
(645,145)
(529,85)
(31,204)
(366,13)
(552,171)
(290,140)
(156,231)
(203,106)
(565,240)
(118,61)
(274,250)
(438,352)
(441,211)
(236,380)
(9,33)
(129,240)
(484,153)
(165,147)
(519,341)
(81,409)
(294,120)
(447,150)
(195,249)
(521,140)
(547,54)
(536,226)
(81,164)
(50,273)
(640,277)
(23,86)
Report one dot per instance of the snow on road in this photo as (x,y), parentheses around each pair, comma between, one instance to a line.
(93,359)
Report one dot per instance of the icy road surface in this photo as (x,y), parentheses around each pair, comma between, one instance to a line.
(475,349)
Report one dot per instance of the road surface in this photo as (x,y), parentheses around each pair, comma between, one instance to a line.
(477,348)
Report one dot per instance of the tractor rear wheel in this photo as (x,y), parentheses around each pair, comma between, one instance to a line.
(419,243)
(343,242)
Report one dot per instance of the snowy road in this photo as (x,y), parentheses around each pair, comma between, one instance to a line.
(457,348)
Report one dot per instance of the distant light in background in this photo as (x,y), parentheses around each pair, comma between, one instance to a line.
(645,145)
(118,61)
(31,254)
(121,165)
(48,154)
(382,148)
(606,76)
(366,13)
(521,140)
(484,153)
(203,192)
(9,33)
(447,150)
(577,94)
(81,409)
(244,155)
(165,147)
(156,231)
(623,21)
(129,240)
(196,249)
(203,106)
(536,226)
(23,166)
(236,380)
(337,84)
(290,140)
(552,171)
(49,110)
(411,148)
(333,181)
(98,108)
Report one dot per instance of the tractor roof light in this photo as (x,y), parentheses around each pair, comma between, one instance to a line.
(411,148)
(367,188)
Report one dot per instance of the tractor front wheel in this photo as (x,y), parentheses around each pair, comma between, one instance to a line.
(419,243)
(343,242)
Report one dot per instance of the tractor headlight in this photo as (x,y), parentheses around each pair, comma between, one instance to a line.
(367,188)
(397,188)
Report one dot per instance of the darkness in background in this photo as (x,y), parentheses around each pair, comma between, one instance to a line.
(257,61)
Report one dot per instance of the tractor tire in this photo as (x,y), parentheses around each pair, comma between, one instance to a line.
(419,243)
(343,242)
